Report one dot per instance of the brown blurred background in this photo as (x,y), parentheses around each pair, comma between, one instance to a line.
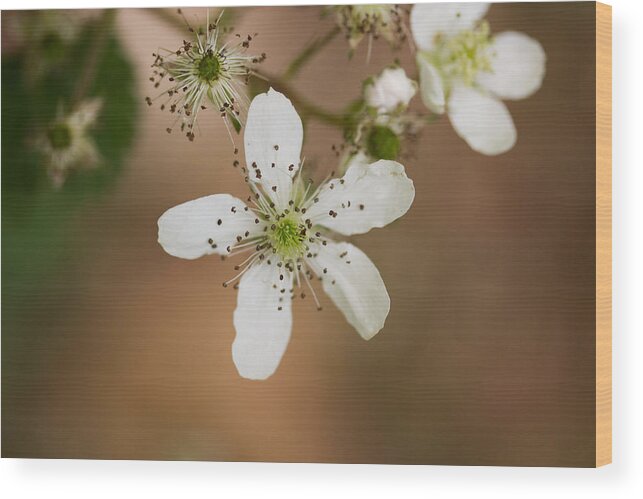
(487,356)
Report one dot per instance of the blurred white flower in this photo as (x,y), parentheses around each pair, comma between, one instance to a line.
(284,232)
(205,71)
(465,72)
(67,144)
(372,21)
(390,91)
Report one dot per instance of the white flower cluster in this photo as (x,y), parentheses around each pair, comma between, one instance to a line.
(464,72)
(287,230)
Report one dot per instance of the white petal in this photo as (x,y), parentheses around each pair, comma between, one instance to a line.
(448,19)
(358,158)
(518,63)
(366,197)
(263,331)
(273,139)
(185,231)
(86,113)
(354,284)
(390,90)
(481,120)
(431,85)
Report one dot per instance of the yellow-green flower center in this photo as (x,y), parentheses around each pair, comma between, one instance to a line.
(209,67)
(287,238)
(59,136)
(464,55)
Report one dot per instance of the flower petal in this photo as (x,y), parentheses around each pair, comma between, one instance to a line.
(86,113)
(367,196)
(263,330)
(431,19)
(431,85)
(354,157)
(518,63)
(273,138)
(481,120)
(205,226)
(354,284)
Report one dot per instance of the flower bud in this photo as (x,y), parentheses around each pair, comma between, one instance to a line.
(383,143)
(390,90)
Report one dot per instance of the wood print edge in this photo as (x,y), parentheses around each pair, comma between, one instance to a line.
(603,234)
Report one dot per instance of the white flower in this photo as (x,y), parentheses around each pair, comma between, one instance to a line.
(284,230)
(205,71)
(390,91)
(66,144)
(465,72)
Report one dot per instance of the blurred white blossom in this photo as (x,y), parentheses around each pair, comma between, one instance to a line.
(67,145)
(465,71)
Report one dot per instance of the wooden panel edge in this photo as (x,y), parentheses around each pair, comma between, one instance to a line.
(603,234)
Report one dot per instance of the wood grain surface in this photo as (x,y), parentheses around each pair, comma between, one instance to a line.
(496,349)
(603,234)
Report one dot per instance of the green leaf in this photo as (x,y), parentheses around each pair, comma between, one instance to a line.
(36,217)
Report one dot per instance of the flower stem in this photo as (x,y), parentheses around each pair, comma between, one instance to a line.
(101,35)
(309,51)
(305,108)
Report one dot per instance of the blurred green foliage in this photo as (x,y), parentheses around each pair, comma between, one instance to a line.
(36,217)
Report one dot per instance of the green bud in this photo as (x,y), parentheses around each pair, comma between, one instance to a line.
(383,143)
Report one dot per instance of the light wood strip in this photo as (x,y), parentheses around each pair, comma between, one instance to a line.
(603,234)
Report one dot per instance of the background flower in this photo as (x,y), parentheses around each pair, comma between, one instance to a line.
(373,21)
(465,72)
(67,143)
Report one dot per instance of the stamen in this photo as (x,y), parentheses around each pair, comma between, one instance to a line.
(310,287)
